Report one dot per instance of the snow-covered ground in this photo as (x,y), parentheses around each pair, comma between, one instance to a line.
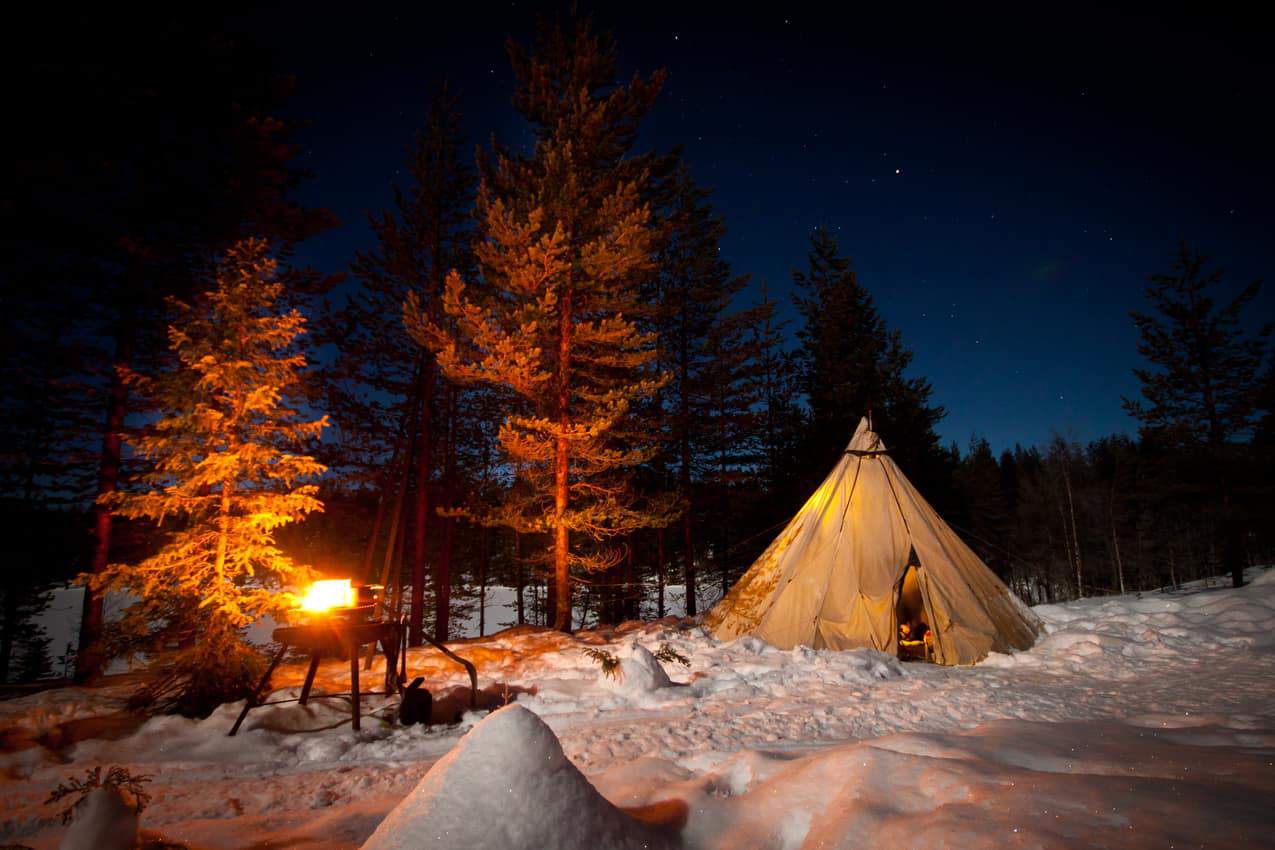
(1136,721)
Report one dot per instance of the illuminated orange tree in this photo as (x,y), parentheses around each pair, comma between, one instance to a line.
(225,471)
(566,239)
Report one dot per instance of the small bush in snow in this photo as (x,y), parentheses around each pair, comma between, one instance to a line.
(609,663)
(116,777)
(667,655)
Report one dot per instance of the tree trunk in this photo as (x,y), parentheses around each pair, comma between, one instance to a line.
(561,466)
(8,632)
(1232,550)
(424,468)
(391,545)
(396,597)
(688,548)
(369,550)
(1115,538)
(659,573)
(519,576)
(387,479)
(1075,537)
(724,527)
(90,660)
(631,602)
(443,571)
(223,535)
(483,564)
(688,563)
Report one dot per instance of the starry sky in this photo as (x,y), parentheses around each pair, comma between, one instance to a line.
(1003,186)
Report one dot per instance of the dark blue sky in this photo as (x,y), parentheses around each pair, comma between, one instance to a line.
(1003,187)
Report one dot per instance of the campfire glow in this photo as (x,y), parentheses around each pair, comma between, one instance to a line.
(328,594)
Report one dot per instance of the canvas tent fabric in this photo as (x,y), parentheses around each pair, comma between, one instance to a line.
(834,577)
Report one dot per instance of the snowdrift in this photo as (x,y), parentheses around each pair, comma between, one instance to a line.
(508,784)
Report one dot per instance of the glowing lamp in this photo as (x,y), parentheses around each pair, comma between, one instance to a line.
(328,594)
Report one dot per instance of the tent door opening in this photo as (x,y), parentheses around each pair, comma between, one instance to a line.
(914,636)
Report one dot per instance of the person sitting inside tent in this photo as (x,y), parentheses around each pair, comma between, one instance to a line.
(915,640)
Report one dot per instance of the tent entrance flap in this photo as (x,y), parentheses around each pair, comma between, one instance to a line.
(910,608)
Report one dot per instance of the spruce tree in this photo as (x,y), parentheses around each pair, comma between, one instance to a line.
(695,287)
(851,364)
(731,427)
(986,509)
(781,414)
(1203,385)
(225,471)
(1202,389)
(565,239)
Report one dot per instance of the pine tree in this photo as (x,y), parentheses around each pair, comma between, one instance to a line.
(382,380)
(781,416)
(34,661)
(851,364)
(225,473)
(21,598)
(1202,390)
(732,427)
(986,507)
(565,237)
(695,287)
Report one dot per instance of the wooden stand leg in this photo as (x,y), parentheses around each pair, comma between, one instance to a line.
(390,646)
(354,686)
(402,658)
(309,677)
(252,698)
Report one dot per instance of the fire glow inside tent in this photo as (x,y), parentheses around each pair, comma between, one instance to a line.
(865,553)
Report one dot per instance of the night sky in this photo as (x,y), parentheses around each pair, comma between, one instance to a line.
(1003,187)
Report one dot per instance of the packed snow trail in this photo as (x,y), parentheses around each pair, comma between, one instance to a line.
(765,747)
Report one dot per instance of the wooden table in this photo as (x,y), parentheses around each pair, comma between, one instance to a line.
(334,637)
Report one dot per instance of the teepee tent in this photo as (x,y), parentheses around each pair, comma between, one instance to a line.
(865,551)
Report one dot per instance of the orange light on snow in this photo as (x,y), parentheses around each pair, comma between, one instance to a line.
(328,594)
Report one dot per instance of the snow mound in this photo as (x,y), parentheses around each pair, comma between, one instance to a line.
(640,673)
(104,820)
(508,784)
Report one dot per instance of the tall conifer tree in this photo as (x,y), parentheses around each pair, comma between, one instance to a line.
(731,426)
(1203,388)
(695,286)
(852,363)
(383,382)
(225,472)
(565,239)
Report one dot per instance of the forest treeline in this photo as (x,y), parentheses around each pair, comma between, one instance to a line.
(543,375)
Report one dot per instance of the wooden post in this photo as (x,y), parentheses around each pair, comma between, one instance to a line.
(354,685)
(309,677)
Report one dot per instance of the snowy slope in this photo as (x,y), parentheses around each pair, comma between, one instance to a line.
(1136,721)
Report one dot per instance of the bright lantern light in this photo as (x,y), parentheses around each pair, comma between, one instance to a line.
(330,593)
